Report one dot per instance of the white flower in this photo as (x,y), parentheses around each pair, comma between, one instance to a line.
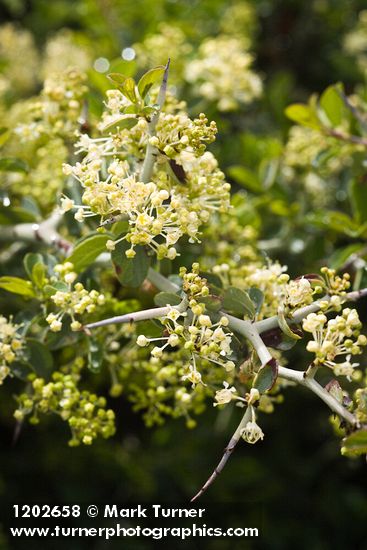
(224,396)
(252,432)
(67,204)
(193,376)
(142,340)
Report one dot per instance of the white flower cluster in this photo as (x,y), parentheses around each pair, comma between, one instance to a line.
(193,330)
(10,345)
(74,300)
(57,110)
(17,45)
(338,336)
(201,338)
(155,48)
(161,211)
(222,73)
(63,52)
(355,42)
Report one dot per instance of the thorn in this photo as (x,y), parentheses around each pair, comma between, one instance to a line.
(17,431)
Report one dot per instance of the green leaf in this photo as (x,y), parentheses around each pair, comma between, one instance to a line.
(212,303)
(124,122)
(333,105)
(245,177)
(336,221)
(39,358)
(164,298)
(125,85)
(10,215)
(303,115)
(238,301)
(128,89)
(266,377)
(117,79)
(30,260)
(358,199)
(95,355)
(257,298)
(35,268)
(4,135)
(150,78)
(50,290)
(355,444)
(16,285)
(342,255)
(130,271)
(39,275)
(21,370)
(212,279)
(87,250)
(285,327)
(13,165)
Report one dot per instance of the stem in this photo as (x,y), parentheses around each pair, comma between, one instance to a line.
(151,151)
(345,137)
(299,314)
(317,389)
(227,453)
(44,232)
(144,315)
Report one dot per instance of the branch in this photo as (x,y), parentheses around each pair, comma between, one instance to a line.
(299,314)
(249,331)
(144,315)
(227,453)
(44,232)
(356,140)
(151,151)
(310,383)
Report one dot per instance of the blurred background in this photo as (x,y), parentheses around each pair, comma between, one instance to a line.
(308,494)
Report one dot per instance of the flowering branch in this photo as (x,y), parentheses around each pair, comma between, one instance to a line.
(152,152)
(144,315)
(299,314)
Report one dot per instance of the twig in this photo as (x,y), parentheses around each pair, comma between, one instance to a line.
(44,232)
(356,140)
(144,315)
(227,453)
(299,314)
(151,151)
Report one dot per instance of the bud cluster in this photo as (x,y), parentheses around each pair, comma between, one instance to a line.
(10,346)
(74,300)
(85,412)
(335,337)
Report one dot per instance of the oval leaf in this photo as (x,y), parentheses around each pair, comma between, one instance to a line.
(150,78)
(266,377)
(238,301)
(166,298)
(87,250)
(355,444)
(16,285)
(39,358)
(130,271)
